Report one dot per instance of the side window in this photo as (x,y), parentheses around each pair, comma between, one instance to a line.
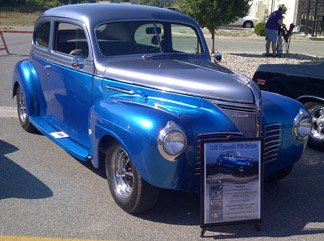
(185,40)
(70,39)
(41,37)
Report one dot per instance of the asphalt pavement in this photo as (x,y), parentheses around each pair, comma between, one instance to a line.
(44,192)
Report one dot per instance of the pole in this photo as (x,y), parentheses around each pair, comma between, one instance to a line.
(4,43)
(307,16)
(315,18)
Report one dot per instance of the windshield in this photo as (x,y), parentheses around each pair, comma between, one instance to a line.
(127,38)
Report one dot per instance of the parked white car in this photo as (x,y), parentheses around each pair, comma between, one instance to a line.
(246,22)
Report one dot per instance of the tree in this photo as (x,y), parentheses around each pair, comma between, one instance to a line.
(215,13)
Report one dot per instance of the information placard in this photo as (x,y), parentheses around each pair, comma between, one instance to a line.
(231,181)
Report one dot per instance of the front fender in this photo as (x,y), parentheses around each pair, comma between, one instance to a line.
(24,76)
(283,110)
(137,125)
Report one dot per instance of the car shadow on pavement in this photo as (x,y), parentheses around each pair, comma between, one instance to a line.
(15,181)
(292,206)
(101,171)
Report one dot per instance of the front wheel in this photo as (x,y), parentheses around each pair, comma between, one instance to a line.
(316,137)
(129,190)
(22,112)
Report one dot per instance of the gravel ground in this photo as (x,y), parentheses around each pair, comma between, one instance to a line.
(247,63)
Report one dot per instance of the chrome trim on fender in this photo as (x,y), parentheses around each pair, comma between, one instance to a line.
(125,91)
(310,97)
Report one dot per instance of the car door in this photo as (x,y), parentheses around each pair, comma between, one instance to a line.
(69,80)
(38,57)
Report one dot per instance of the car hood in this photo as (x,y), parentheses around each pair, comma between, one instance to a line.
(300,70)
(192,77)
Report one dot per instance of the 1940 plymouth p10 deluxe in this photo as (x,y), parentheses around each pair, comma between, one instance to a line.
(133,88)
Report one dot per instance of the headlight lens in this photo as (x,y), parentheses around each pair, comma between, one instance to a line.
(302,125)
(172,141)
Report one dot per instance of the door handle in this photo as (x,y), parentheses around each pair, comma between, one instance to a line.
(78,63)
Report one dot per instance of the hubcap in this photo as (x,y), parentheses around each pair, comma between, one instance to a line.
(21,107)
(317,132)
(123,173)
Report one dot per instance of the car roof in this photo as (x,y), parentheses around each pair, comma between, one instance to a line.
(95,13)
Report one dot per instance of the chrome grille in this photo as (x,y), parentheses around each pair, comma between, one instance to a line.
(272,140)
(238,108)
(244,116)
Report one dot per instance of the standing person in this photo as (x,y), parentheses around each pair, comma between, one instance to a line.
(274,24)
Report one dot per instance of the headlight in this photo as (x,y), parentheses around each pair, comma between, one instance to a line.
(302,125)
(172,141)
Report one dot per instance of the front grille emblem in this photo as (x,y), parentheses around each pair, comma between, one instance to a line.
(240,116)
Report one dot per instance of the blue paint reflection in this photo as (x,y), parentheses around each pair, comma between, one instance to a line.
(146,123)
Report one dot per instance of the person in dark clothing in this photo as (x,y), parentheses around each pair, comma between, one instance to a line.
(273,24)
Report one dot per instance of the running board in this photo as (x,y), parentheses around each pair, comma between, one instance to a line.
(60,138)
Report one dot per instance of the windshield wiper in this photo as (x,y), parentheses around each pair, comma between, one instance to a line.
(166,55)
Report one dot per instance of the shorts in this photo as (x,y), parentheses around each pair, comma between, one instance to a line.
(271,35)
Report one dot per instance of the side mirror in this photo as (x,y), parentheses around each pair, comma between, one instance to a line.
(217,57)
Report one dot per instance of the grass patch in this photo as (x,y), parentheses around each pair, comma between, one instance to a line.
(16,19)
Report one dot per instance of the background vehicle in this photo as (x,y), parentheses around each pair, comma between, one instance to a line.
(246,22)
(303,82)
(133,89)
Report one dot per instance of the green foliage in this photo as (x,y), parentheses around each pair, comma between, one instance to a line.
(41,4)
(157,3)
(215,13)
(260,29)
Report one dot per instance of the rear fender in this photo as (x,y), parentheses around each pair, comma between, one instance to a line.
(24,76)
(307,98)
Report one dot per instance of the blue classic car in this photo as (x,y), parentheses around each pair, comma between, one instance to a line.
(133,89)
(234,160)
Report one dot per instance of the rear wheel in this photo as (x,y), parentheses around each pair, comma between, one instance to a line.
(129,190)
(22,112)
(316,137)
(248,24)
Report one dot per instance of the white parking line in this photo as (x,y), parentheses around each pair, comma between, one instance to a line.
(8,111)
(23,238)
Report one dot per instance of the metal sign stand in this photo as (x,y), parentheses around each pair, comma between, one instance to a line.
(203,230)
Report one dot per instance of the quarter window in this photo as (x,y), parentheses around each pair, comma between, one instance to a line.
(41,37)
(70,39)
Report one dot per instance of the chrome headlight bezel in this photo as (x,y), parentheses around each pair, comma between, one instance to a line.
(302,125)
(171,130)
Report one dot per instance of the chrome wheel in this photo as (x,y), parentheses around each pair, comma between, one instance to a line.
(21,106)
(123,172)
(22,112)
(129,190)
(317,114)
